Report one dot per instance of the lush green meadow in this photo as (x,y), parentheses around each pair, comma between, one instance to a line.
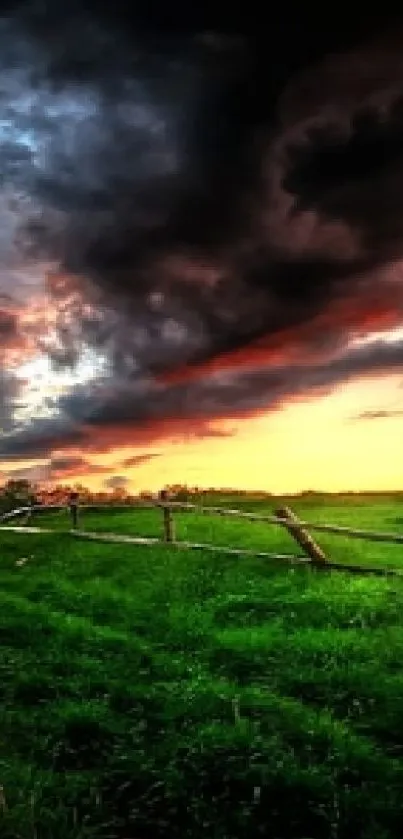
(155,692)
(383,514)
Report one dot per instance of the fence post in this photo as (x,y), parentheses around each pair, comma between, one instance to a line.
(73,505)
(28,515)
(301,536)
(169,529)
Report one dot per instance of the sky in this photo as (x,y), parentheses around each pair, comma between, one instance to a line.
(201,247)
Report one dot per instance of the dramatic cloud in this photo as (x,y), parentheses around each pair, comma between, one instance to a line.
(100,418)
(34,474)
(212,226)
(68,466)
(57,469)
(356,176)
(10,388)
(138,459)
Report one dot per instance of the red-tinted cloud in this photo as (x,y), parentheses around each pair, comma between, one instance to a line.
(218,245)
(138,459)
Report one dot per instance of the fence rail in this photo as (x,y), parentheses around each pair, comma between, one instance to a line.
(283,517)
(336,529)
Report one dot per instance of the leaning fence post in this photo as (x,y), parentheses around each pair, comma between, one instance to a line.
(169,530)
(301,536)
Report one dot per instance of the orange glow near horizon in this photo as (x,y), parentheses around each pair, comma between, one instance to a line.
(359,318)
(311,444)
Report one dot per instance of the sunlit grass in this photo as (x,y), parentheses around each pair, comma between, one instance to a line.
(155,692)
(378,514)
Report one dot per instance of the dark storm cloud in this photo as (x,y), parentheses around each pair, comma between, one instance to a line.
(134,151)
(156,168)
(216,395)
(140,412)
(357,178)
(11,386)
(343,158)
(39,437)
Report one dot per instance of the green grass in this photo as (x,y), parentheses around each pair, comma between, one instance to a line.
(382,514)
(156,692)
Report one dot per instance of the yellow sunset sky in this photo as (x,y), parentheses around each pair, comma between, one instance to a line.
(312,444)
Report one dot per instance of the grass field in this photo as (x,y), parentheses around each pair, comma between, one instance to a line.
(384,514)
(155,692)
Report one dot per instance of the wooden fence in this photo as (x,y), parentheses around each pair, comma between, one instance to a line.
(283,517)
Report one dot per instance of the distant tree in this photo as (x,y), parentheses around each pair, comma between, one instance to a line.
(118,495)
(178,492)
(182,493)
(16,493)
(83,492)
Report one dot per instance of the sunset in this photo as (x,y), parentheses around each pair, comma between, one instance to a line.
(346,440)
(201,414)
(156,306)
